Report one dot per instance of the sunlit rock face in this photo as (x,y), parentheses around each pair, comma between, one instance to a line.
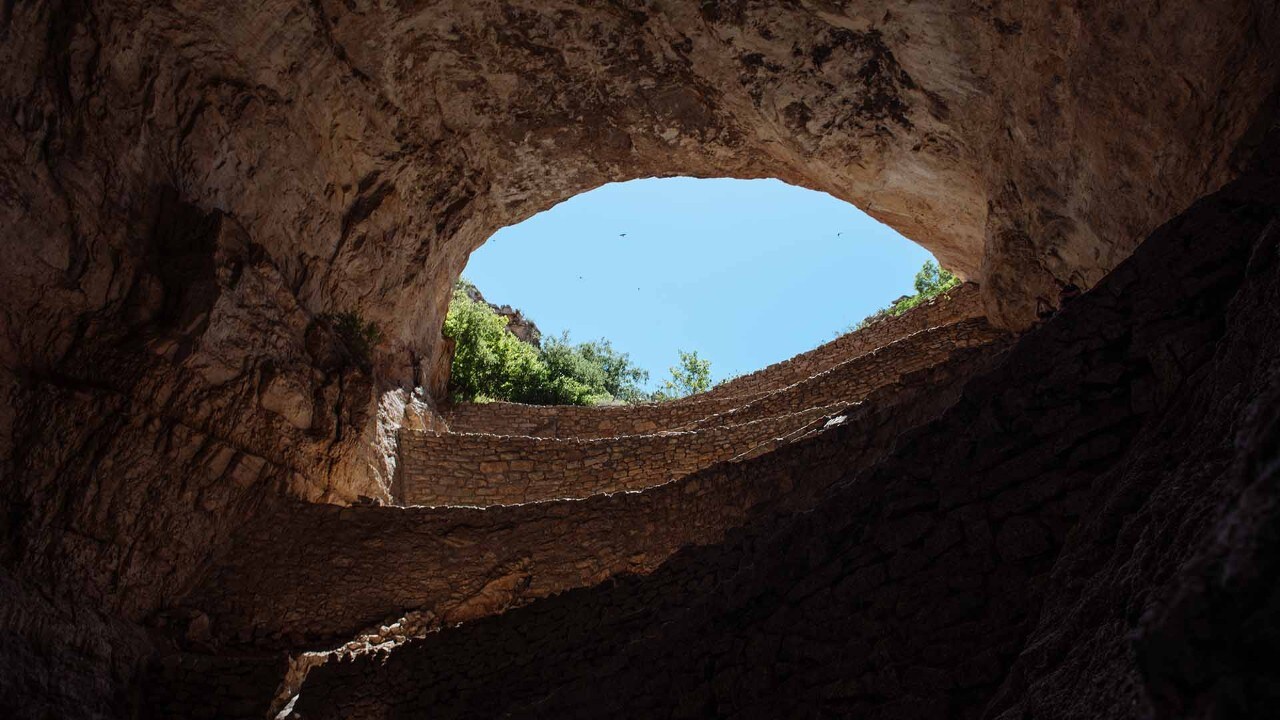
(189,187)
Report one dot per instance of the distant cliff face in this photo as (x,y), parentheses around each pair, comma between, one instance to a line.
(519,325)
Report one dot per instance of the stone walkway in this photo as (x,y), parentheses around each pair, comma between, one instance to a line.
(507,453)
(494,521)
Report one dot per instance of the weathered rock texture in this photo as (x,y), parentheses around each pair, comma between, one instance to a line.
(1089,532)
(188,187)
(304,574)
(495,468)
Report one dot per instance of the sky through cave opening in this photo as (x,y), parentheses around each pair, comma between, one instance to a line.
(746,272)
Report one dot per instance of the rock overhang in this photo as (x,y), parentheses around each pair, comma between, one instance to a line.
(351,155)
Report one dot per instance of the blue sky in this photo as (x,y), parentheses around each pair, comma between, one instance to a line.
(746,272)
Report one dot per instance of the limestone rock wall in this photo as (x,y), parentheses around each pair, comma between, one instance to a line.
(1088,532)
(519,325)
(86,662)
(189,186)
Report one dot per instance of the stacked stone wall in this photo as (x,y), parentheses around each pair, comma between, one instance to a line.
(481,470)
(961,303)
(854,379)
(1052,545)
(569,421)
(325,572)
(500,418)
(486,469)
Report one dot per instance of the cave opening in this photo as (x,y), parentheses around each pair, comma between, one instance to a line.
(746,273)
(232,236)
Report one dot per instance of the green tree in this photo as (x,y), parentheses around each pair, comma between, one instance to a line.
(622,379)
(692,375)
(490,363)
(930,281)
(572,378)
(933,280)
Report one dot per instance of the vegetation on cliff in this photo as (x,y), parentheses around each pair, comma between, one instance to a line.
(490,363)
(358,336)
(930,282)
(692,375)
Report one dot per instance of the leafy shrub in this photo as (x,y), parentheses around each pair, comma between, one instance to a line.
(620,379)
(356,334)
(930,282)
(691,376)
(490,363)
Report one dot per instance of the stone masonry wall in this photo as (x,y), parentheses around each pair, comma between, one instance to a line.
(960,303)
(1090,532)
(483,469)
(499,418)
(566,421)
(305,574)
(855,378)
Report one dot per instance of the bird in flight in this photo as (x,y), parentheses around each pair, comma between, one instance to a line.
(622,235)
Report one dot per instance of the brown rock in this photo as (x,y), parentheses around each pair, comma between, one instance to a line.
(188,187)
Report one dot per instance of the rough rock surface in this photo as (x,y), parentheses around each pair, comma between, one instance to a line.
(186,187)
(304,574)
(1090,532)
(482,469)
(519,325)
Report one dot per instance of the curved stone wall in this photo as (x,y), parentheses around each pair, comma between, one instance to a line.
(961,303)
(324,572)
(853,379)
(1090,532)
(488,469)
(481,470)
(499,418)
(566,421)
